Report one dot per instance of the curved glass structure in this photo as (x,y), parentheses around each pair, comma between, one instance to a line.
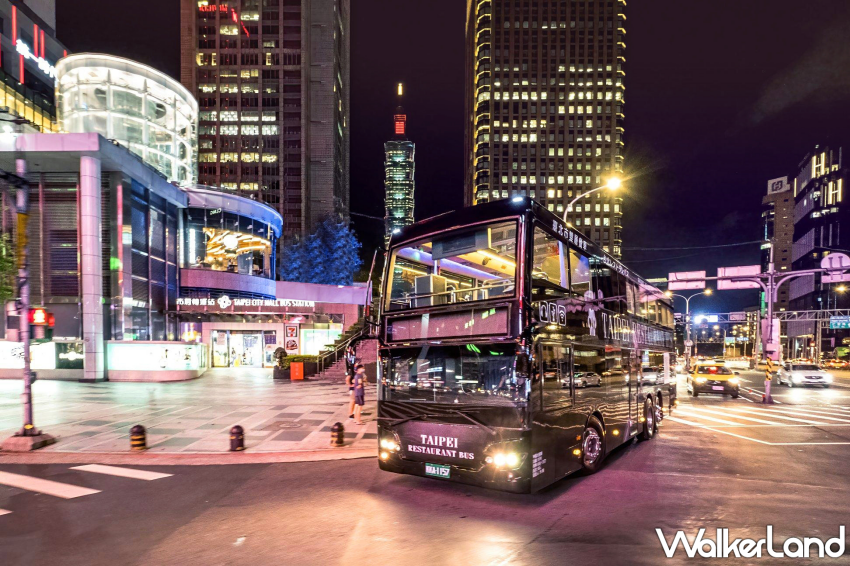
(230,233)
(141,108)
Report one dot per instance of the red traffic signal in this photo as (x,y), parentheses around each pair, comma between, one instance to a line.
(40,317)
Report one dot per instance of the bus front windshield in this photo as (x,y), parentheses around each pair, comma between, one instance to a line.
(472,374)
(471,264)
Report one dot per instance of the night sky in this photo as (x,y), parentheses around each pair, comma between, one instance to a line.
(720,97)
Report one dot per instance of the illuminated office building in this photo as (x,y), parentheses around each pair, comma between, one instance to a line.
(544,100)
(399,168)
(271,78)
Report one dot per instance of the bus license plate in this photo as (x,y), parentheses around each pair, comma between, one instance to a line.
(437,470)
(717,387)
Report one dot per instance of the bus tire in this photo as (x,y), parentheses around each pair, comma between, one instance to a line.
(650,424)
(592,446)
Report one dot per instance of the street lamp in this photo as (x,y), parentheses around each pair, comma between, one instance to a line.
(706,292)
(613,184)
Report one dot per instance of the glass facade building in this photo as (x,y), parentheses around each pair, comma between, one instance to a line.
(544,100)
(271,78)
(133,104)
(399,169)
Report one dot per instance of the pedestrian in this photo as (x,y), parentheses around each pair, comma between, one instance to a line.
(359,392)
(349,381)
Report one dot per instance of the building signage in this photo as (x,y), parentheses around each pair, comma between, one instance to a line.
(778,185)
(45,67)
(290,342)
(229,305)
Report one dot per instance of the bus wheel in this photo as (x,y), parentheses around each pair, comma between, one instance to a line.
(649,423)
(592,446)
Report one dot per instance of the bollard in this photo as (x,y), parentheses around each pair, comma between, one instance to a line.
(337,435)
(138,438)
(237,439)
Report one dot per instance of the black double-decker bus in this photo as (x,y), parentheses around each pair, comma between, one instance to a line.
(514,350)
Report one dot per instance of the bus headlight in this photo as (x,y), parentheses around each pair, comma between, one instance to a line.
(508,460)
(389,444)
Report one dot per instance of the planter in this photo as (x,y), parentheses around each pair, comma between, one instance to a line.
(311,368)
(280,373)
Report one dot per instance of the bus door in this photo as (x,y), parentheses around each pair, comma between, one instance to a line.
(555,424)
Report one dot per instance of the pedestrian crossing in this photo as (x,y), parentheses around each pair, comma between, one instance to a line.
(63,490)
(749,416)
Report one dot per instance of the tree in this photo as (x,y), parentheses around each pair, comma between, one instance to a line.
(330,256)
(8,270)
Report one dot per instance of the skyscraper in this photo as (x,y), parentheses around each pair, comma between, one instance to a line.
(272,82)
(544,98)
(399,184)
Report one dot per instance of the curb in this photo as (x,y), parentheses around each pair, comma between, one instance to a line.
(195,459)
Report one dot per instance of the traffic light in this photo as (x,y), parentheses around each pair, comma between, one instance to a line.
(41,324)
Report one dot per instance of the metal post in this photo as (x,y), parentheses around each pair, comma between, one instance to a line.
(771,291)
(24,295)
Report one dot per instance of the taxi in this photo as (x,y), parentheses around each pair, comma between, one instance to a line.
(713,378)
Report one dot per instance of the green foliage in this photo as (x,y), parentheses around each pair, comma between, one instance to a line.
(8,269)
(285,361)
(330,256)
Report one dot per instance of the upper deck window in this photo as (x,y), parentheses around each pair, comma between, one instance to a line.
(465,265)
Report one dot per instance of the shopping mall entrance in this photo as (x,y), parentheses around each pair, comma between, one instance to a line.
(234,348)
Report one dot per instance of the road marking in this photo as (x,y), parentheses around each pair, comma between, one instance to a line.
(705,427)
(738,416)
(4,512)
(698,416)
(56,489)
(122,472)
(811,413)
(771,414)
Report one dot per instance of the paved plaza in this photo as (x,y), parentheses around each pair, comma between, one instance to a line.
(192,417)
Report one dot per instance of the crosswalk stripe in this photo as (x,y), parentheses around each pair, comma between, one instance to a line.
(122,472)
(772,414)
(735,416)
(810,413)
(698,416)
(54,488)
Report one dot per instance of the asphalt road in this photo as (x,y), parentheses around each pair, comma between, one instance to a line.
(716,462)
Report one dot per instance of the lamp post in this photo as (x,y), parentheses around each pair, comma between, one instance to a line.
(688,344)
(613,184)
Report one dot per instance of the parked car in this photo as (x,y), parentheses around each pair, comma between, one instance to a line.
(799,374)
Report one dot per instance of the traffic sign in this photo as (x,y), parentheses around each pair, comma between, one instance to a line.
(740,271)
(839,322)
(737,316)
(686,280)
(835,262)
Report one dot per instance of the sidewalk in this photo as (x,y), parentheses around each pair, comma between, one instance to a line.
(194,417)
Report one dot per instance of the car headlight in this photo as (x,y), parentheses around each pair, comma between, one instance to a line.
(827,377)
(734,380)
(796,377)
(700,379)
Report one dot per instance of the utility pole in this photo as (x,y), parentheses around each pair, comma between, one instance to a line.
(29,437)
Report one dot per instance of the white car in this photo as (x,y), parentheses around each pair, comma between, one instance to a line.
(792,374)
(588,379)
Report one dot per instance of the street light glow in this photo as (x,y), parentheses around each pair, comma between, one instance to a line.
(614,183)
(708,292)
(841,288)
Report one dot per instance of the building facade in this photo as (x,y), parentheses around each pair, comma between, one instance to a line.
(778,224)
(820,213)
(29,52)
(399,180)
(272,82)
(147,281)
(544,100)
